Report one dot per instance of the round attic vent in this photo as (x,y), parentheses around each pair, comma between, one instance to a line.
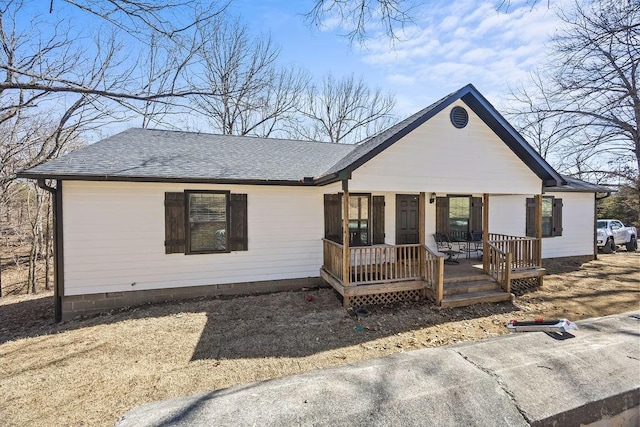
(459,117)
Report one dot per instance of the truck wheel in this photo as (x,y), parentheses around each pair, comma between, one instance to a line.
(609,247)
(632,246)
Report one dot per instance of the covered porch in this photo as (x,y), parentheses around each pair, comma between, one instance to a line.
(385,273)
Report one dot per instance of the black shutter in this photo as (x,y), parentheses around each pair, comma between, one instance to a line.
(378,220)
(442,215)
(557,217)
(476,215)
(531,217)
(333,217)
(238,229)
(174,223)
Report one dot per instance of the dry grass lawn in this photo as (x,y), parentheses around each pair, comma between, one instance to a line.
(90,371)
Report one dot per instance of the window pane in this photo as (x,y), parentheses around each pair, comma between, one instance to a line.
(459,213)
(547,216)
(353,207)
(208,222)
(208,236)
(358,232)
(207,207)
(358,207)
(364,207)
(358,220)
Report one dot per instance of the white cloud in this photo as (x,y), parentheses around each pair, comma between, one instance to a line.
(401,79)
(452,44)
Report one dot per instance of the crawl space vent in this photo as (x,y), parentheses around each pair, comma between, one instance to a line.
(459,117)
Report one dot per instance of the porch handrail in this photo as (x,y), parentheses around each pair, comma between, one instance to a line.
(525,250)
(387,264)
(384,264)
(332,258)
(434,273)
(499,266)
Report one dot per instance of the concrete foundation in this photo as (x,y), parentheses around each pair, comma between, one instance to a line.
(87,304)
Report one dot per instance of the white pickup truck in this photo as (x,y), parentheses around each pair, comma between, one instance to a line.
(612,233)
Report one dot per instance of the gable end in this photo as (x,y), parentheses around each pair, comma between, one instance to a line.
(472,98)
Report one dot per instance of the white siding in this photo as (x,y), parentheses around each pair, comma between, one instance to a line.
(114,236)
(577,227)
(507,215)
(438,157)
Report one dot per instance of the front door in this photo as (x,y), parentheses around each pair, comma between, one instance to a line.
(407,219)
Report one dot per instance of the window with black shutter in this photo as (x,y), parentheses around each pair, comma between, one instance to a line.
(366,219)
(551,217)
(359,220)
(199,222)
(458,216)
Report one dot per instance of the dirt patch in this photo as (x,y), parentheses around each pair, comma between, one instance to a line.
(90,371)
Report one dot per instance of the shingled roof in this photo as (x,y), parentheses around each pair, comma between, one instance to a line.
(159,155)
(575,185)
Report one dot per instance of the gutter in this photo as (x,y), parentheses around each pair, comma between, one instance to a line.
(58,249)
(607,194)
(123,178)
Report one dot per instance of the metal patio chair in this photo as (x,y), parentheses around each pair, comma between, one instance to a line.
(445,246)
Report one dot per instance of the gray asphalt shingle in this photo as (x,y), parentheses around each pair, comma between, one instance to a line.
(144,153)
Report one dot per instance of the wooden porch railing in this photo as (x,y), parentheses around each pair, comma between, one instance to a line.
(371,265)
(499,262)
(434,273)
(332,258)
(388,264)
(525,250)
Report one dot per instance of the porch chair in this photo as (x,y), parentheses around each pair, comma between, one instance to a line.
(474,244)
(446,247)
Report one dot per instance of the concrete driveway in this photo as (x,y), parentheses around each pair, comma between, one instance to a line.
(515,380)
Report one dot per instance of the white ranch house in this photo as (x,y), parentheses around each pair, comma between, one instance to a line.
(152,215)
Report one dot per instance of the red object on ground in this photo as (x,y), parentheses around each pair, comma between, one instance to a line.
(539,320)
(309,298)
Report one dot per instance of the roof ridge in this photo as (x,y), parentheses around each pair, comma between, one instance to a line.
(306,141)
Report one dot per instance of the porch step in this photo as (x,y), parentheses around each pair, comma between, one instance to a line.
(462,279)
(470,287)
(462,300)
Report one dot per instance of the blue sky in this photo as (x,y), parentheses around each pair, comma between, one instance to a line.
(449,45)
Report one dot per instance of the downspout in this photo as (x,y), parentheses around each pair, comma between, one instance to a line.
(58,278)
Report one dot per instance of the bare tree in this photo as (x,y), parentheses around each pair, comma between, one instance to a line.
(59,81)
(166,62)
(588,93)
(591,83)
(256,96)
(50,56)
(550,134)
(344,111)
(137,17)
(361,18)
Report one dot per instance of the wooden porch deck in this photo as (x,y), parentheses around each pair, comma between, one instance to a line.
(390,273)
